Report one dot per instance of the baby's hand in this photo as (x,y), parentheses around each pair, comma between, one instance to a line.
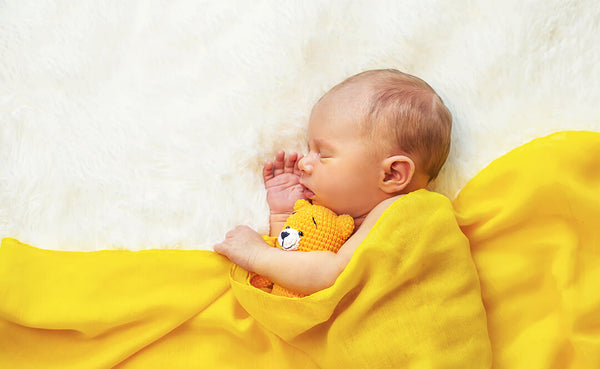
(282,181)
(242,245)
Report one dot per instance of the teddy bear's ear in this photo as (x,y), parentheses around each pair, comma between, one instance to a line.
(345,224)
(300,204)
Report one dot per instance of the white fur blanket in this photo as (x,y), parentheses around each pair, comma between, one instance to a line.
(144,124)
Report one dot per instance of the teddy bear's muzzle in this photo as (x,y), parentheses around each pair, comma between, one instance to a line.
(289,239)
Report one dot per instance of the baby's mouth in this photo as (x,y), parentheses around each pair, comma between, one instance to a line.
(308,193)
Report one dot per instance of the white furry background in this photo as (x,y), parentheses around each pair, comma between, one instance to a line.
(144,124)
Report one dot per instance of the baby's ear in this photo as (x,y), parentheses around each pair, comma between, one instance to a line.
(397,173)
(345,224)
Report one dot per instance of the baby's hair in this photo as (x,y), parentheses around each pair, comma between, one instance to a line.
(408,114)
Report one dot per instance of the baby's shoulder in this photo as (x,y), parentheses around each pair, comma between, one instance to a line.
(363,230)
(379,209)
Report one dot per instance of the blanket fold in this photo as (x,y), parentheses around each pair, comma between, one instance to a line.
(533,220)
(409,298)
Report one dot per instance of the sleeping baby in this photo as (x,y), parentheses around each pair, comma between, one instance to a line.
(371,139)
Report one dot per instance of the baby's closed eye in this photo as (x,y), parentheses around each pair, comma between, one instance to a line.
(325,154)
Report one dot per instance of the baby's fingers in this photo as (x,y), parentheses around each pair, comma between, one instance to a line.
(273,168)
(220,248)
(297,170)
(268,171)
(279,164)
(290,163)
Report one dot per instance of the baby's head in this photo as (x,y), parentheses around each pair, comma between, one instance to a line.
(377,134)
(402,114)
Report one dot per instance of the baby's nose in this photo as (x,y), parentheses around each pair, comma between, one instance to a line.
(304,165)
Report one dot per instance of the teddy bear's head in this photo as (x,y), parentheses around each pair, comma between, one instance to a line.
(314,227)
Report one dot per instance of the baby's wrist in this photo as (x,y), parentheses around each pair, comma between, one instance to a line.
(276,222)
(279,217)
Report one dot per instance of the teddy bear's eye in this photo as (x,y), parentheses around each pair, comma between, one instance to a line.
(288,227)
(300,233)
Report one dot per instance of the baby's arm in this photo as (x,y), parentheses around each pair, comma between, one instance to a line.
(282,182)
(304,272)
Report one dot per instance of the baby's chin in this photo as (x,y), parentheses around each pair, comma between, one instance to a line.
(315,200)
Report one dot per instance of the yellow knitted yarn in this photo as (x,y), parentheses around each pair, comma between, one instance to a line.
(321,230)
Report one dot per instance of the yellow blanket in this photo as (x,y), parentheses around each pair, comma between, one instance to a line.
(409,298)
(533,220)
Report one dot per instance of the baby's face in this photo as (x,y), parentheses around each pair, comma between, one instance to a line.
(340,171)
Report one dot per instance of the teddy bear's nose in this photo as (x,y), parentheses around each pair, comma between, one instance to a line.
(284,235)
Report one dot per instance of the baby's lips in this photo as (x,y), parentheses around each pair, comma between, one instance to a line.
(308,193)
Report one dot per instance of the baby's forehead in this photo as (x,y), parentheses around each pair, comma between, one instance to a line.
(351,98)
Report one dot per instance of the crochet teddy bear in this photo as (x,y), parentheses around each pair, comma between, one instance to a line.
(309,228)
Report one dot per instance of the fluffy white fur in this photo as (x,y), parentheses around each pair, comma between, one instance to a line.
(144,124)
